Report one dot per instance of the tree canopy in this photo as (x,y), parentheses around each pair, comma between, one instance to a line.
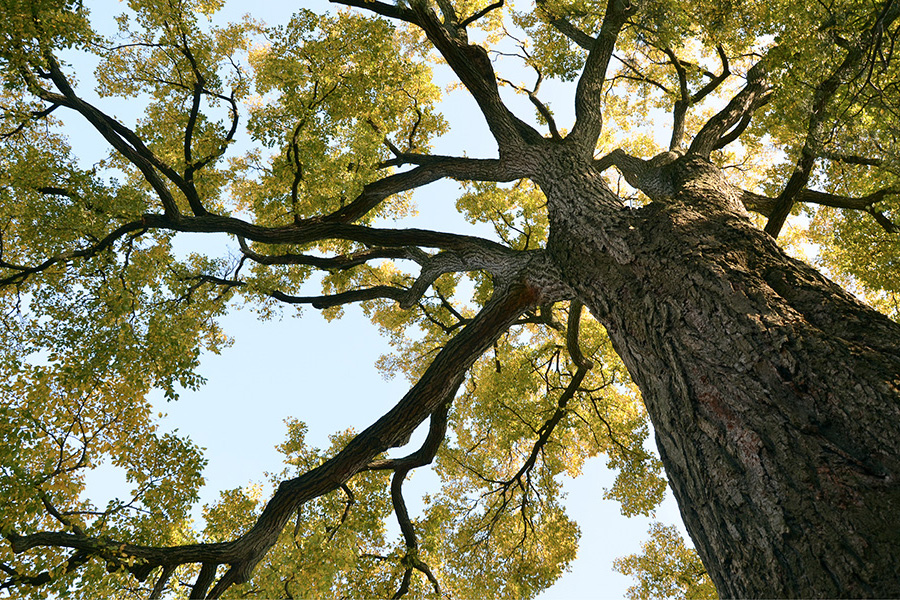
(304,144)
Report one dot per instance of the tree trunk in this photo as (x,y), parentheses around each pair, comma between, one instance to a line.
(775,395)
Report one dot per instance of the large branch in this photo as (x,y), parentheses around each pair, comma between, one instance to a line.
(436,387)
(427,451)
(818,113)
(469,62)
(332,263)
(348,297)
(754,95)
(466,252)
(653,177)
(502,264)
(588,116)
(430,169)
(679,109)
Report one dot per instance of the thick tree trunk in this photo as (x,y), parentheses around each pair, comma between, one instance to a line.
(775,395)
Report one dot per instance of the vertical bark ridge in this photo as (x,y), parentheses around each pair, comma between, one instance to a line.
(752,366)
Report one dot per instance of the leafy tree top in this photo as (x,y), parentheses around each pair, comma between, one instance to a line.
(303,142)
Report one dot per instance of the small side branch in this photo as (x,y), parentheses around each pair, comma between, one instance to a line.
(468,21)
(411,559)
(650,176)
(335,263)
(851,159)
(567,28)
(583,366)
(522,478)
(32,116)
(21,273)
(542,108)
(499,263)
(766,205)
(429,169)
(160,585)
(715,80)
(322,302)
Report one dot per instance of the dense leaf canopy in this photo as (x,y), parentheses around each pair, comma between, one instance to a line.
(304,142)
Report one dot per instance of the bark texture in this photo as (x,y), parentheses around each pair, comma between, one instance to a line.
(775,395)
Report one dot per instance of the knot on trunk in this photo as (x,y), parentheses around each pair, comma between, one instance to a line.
(698,182)
(650,176)
(670,177)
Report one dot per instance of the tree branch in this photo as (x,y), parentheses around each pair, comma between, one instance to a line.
(430,169)
(679,110)
(766,205)
(716,80)
(481,13)
(23,272)
(204,579)
(754,95)
(735,133)
(465,252)
(501,264)
(33,116)
(536,102)
(411,560)
(120,137)
(471,65)
(588,116)
(818,113)
(334,263)
(436,387)
(437,429)
(649,176)
(851,159)
(391,11)
(565,27)
(322,302)
(160,585)
(685,98)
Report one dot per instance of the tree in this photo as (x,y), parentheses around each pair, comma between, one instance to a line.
(773,392)
(666,568)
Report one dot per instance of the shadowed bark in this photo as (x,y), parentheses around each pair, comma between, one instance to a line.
(774,394)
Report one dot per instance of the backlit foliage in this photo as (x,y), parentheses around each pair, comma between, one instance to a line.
(295,124)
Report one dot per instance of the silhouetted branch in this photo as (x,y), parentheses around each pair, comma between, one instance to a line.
(481,13)
(822,96)
(436,387)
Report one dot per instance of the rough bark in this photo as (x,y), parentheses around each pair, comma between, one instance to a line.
(775,395)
